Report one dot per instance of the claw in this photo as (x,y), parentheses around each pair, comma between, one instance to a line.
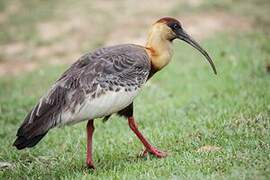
(90,165)
(155,152)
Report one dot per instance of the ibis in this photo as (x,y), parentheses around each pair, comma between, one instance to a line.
(103,83)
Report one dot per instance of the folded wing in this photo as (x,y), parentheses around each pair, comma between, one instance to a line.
(95,76)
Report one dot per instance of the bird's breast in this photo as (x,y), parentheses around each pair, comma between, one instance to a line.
(108,103)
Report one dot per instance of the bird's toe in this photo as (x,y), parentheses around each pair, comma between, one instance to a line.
(157,153)
(90,165)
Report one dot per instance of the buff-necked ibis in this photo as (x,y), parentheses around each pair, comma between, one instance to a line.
(102,83)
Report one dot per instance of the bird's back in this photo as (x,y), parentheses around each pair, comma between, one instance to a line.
(98,84)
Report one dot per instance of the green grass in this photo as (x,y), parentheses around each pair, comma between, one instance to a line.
(21,22)
(185,107)
(256,10)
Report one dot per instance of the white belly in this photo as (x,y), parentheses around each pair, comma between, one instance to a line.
(108,103)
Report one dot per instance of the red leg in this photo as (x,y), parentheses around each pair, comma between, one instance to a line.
(90,130)
(148,147)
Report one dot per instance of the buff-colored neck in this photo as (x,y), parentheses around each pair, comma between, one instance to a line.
(158,46)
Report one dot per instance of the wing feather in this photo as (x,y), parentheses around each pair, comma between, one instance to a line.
(106,69)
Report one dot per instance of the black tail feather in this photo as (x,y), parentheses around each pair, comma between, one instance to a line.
(36,125)
(22,142)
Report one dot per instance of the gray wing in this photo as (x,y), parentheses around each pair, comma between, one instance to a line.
(107,69)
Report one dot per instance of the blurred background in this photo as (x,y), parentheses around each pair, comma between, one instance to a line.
(55,31)
(214,127)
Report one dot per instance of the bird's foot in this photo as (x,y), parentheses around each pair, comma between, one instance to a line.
(154,151)
(90,165)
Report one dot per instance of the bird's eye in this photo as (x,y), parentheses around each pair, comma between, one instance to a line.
(176,26)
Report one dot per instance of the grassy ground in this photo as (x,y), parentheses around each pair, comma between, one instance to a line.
(184,108)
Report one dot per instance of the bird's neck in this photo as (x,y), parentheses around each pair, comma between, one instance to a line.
(159,49)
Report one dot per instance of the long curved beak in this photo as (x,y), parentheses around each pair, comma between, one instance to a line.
(185,37)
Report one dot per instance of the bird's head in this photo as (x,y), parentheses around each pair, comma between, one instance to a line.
(170,29)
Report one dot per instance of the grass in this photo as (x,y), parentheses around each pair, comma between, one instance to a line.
(256,10)
(184,108)
(23,19)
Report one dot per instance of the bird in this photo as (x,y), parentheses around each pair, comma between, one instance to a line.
(103,83)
